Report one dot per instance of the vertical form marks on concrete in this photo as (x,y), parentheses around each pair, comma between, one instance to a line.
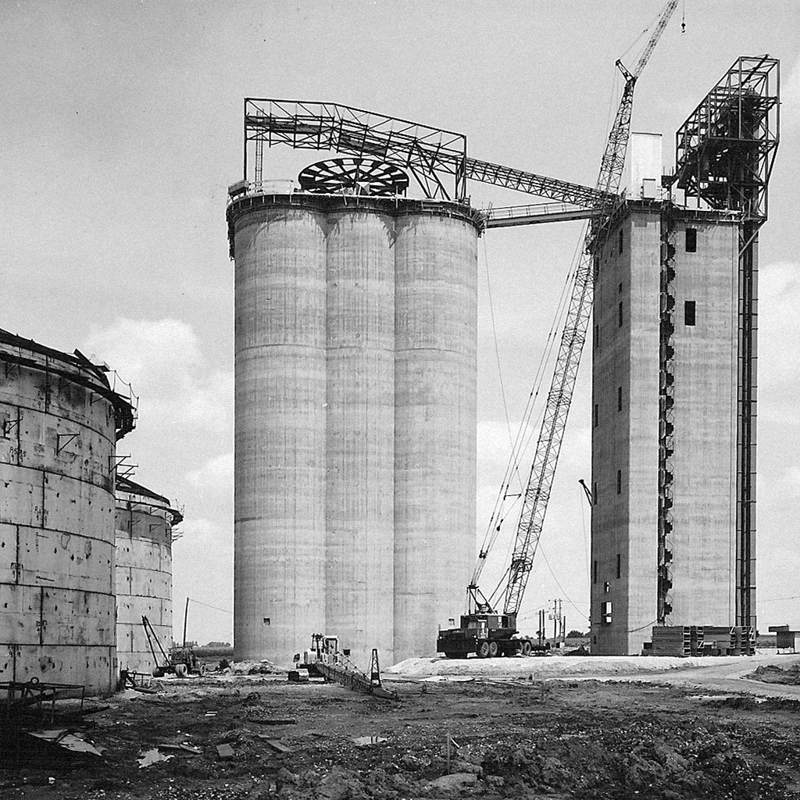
(143,550)
(388,288)
(626,358)
(280,396)
(704,451)
(59,422)
(436,397)
(359,573)
(705,426)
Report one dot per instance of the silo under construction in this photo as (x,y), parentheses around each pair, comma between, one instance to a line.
(60,419)
(145,523)
(355,384)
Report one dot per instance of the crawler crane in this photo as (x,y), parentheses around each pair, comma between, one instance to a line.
(484,629)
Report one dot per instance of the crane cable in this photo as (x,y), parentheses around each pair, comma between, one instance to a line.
(525,435)
(496,345)
(569,600)
(526,430)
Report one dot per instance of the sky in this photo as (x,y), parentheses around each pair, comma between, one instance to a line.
(122,128)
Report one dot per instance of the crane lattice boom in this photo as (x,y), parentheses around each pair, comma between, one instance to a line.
(573,337)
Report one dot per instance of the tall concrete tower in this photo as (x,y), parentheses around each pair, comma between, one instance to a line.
(355,384)
(674,373)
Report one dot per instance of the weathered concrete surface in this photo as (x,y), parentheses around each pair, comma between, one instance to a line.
(435,427)
(355,422)
(359,554)
(280,397)
(626,430)
(143,576)
(625,437)
(704,564)
(57,444)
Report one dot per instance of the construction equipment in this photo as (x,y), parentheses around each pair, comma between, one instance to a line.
(324,659)
(485,630)
(178,661)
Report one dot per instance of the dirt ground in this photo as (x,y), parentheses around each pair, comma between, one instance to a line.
(708,731)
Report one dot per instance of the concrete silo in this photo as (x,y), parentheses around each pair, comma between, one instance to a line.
(435,423)
(144,533)
(355,418)
(280,396)
(59,422)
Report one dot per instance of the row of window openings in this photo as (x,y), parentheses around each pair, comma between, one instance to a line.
(619,487)
(689,318)
(596,410)
(606,584)
(690,240)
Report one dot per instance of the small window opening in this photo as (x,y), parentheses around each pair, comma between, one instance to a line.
(620,241)
(596,415)
(605,612)
(689,312)
(619,289)
(691,240)
(594,572)
(606,587)
(596,337)
(594,492)
(267,621)
(619,565)
(619,398)
(619,322)
(619,481)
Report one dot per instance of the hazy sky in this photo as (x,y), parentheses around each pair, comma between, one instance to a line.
(121,128)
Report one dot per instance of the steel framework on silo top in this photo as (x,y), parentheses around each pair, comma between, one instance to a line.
(437,158)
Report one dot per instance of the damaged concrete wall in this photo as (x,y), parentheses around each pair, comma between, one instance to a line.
(58,427)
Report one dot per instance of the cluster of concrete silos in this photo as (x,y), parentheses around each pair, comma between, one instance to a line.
(60,420)
(355,389)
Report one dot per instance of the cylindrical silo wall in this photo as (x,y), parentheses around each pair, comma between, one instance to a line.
(143,581)
(280,395)
(435,425)
(360,434)
(57,445)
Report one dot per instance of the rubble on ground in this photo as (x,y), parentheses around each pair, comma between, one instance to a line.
(263,738)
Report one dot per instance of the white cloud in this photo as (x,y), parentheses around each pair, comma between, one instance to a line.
(778,338)
(207,581)
(790,99)
(163,361)
(217,472)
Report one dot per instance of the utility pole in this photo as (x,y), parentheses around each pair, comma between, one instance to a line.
(555,615)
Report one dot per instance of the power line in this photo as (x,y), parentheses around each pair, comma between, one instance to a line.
(216,608)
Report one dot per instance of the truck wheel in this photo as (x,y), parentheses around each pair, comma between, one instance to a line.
(201,670)
(180,670)
(492,649)
(483,649)
(526,649)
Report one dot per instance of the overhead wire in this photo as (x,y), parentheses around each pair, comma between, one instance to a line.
(207,605)
(526,431)
(496,345)
(558,583)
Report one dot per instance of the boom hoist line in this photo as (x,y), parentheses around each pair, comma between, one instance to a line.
(537,491)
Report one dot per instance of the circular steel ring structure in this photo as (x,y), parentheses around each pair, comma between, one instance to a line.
(364,176)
